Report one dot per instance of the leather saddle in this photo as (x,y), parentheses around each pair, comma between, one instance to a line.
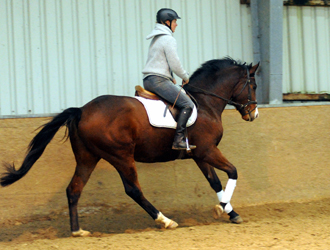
(140,91)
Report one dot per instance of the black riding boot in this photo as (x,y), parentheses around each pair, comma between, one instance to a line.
(179,142)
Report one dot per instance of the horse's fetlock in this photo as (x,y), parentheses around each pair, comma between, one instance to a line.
(232,214)
(223,205)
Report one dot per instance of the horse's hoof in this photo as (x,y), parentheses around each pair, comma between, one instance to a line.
(80,233)
(166,222)
(172,225)
(217,211)
(237,220)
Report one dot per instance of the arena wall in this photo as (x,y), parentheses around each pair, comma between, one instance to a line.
(282,156)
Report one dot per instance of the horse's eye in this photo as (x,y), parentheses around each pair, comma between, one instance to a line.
(254,87)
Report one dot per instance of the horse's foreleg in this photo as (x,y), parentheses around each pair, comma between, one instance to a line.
(225,206)
(73,191)
(133,190)
(210,175)
(224,196)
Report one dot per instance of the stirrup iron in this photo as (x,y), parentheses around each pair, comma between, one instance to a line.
(188,149)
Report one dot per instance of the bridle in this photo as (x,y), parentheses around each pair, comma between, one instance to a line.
(240,107)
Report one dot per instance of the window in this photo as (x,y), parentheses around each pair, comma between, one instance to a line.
(307,2)
(299,2)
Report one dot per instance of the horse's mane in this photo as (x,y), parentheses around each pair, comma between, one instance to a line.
(209,68)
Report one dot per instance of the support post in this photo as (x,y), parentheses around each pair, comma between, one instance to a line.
(267,33)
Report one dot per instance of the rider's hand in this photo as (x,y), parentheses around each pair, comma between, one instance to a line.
(185,82)
(174,81)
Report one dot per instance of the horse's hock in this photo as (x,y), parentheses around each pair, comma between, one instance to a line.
(280,157)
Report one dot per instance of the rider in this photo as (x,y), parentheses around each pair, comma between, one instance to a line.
(158,77)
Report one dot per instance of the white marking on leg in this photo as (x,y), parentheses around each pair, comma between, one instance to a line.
(228,207)
(167,223)
(228,193)
(220,194)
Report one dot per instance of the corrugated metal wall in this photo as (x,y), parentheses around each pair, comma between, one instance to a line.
(306,50)
(61,53)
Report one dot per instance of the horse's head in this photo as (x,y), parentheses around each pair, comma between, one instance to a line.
(244,96)
(230,81)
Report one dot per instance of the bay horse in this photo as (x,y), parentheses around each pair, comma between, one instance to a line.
(116,128)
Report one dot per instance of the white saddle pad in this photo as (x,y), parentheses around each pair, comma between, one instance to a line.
(156,110)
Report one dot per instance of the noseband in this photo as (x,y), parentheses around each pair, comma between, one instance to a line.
(240,107)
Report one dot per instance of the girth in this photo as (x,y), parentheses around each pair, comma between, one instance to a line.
(140,91)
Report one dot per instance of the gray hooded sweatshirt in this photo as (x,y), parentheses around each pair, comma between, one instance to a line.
(163,57)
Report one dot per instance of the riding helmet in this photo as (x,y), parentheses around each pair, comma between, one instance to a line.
(166,14)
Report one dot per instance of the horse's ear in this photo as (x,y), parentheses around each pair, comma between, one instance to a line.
(253,69)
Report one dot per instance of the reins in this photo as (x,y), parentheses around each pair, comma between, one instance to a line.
(202,91)
(239,106)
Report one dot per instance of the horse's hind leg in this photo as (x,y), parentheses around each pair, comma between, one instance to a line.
(215,183)
(86,163)
(128,174)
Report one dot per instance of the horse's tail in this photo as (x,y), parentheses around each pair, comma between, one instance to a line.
(69,117)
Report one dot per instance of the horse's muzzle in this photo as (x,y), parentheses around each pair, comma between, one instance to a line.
(251,115)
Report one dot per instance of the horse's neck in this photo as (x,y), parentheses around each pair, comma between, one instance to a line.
(215,105)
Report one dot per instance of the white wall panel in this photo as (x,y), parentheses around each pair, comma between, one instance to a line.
(306,58)
(56,54)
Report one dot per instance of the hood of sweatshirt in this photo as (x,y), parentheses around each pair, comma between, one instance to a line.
(159,29)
